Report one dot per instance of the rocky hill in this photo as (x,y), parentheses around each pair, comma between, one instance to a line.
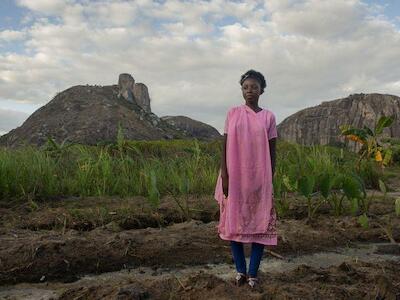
(320,124)
(192,127)
(91,114)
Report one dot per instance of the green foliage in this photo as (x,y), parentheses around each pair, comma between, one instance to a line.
(370,174)
(370,140)
(114,169)
(351,187)
(153,193)
(383,122)
(354,190)
(397,206)
(363,221)
(326,184)
(306,185)
(382,187)
(154,169)
(395,149)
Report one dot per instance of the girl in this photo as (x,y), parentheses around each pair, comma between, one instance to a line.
(244,188)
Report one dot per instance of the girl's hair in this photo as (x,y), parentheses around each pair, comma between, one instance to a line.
(256,75)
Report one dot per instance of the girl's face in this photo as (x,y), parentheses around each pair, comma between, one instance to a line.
(251,90)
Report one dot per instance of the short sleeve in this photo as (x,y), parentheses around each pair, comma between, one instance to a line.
(272,132)
(227,121)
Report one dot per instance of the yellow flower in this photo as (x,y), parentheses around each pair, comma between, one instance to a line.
(378,156)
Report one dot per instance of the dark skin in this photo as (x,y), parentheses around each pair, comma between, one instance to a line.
(251,91)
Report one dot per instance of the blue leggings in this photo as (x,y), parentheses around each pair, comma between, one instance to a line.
(240,260)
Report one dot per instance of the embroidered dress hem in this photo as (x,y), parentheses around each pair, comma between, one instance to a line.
(254,238)
(269,237)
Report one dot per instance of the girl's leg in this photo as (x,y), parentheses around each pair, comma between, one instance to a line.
(255,259)
(238,256)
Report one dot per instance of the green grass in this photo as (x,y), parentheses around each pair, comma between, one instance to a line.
(149,168)
(108,170)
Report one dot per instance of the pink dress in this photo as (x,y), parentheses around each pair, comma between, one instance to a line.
(248,214)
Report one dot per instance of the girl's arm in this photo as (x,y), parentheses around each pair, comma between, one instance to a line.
(224,170)
(272,148)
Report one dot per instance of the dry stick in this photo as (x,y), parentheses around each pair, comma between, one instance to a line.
(275,254)
(388,232)
(128,248)
(17,268)
(65,224)
(180,282)
(81,294)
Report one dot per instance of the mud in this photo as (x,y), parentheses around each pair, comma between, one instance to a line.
(85,214)
(66,249)
(345,273)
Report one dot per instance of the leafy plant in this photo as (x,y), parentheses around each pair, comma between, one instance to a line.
(363,221)
(369,139)
(333,196)
(354,190)
(282,186)
(382,187)
(54,149)
(306,185)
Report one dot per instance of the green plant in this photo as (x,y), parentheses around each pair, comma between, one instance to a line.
(153,193)
(370,173)
(354,191)
(52,146)
(363,221)
(326,184)
(282,186)
(386,224)
(306,185)
(383,188)
(371,147)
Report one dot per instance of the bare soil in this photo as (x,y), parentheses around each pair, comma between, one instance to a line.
(48,248)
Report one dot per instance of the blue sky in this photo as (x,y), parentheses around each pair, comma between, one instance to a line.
(190,54)
(10,15)
(391,8)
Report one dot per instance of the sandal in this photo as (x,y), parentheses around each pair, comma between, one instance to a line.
(240,279)
(253,282)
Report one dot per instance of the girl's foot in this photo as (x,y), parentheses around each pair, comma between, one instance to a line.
(253,282)
(240,279)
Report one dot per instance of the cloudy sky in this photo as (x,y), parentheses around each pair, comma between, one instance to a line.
(191,54)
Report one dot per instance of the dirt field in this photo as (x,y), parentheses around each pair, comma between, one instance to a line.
(120,249)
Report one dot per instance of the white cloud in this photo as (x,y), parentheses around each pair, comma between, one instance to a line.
(191,53)
(321,19)
(44,6)
(11,35)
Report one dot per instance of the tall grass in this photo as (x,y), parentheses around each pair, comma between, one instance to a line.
(132,169)
(150,168)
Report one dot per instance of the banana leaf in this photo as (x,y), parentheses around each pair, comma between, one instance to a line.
(383,122)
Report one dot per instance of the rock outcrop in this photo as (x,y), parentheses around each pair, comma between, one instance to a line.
(92,114)
(192,127)
(134,92)
(320,124)
(141,94)
(126,84)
